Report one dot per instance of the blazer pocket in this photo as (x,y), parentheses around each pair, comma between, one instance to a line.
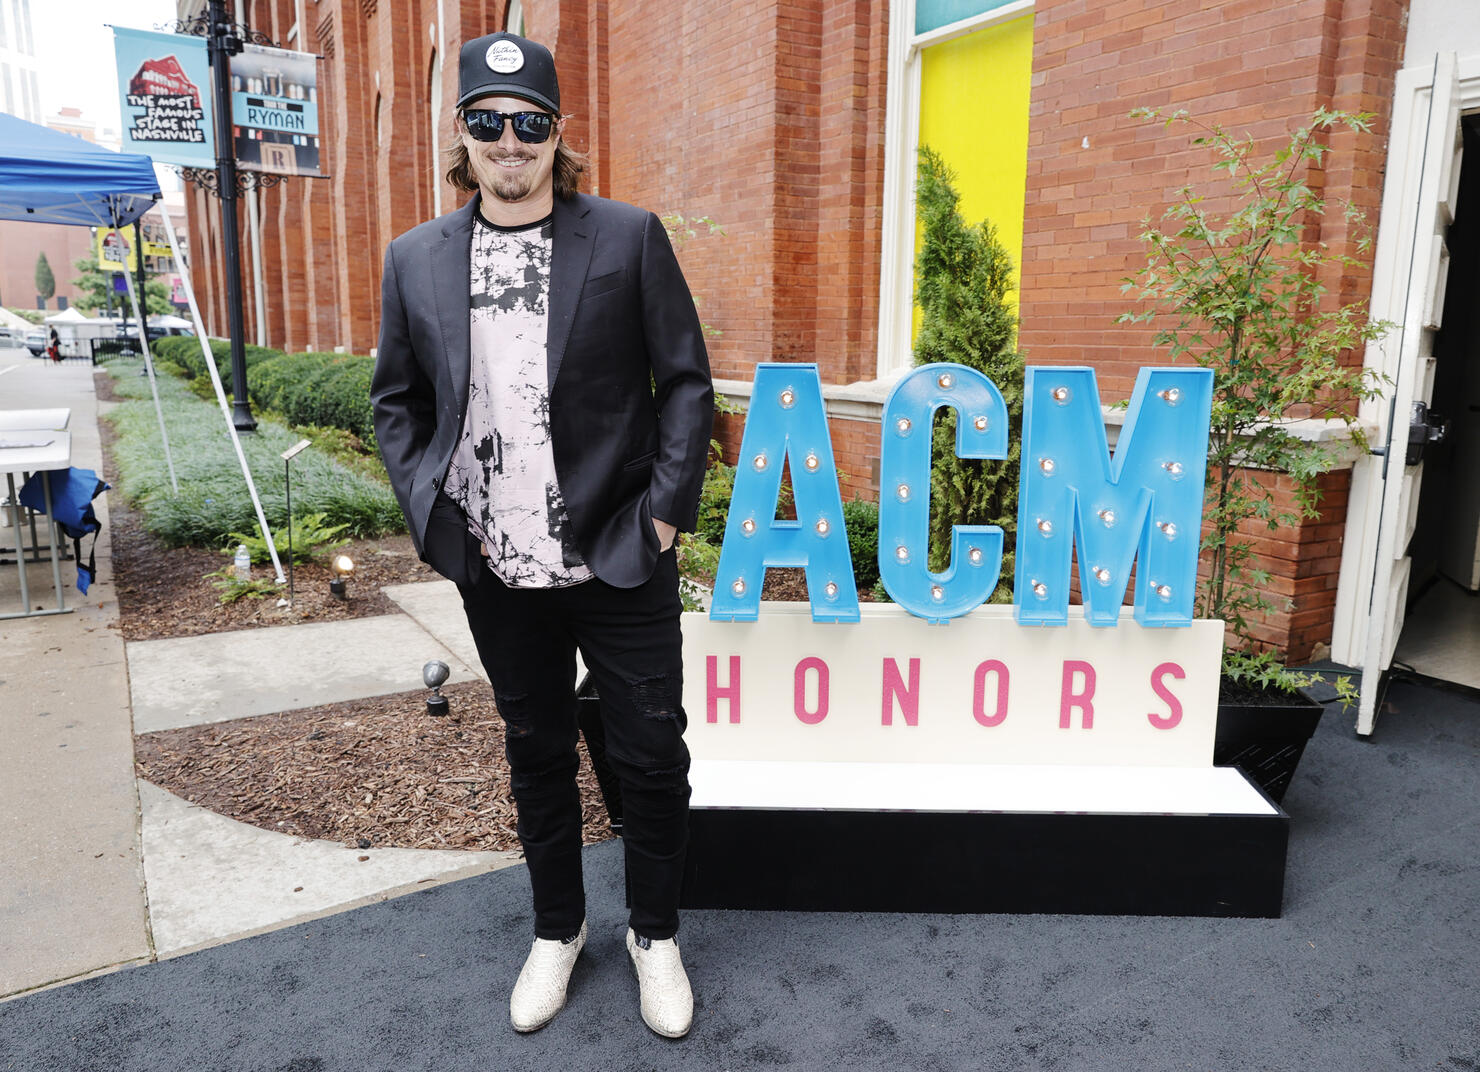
(604,284)
(641,461)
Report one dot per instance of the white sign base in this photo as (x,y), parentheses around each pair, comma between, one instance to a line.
(979,766)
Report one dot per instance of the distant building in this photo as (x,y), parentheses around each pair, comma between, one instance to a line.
(20,93)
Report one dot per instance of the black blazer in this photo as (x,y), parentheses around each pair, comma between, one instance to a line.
(631,403)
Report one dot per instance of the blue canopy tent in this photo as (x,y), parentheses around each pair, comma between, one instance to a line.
(50,177)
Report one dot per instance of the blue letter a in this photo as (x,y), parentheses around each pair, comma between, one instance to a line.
(786,420)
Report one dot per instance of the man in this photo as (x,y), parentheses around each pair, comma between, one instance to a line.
(543,405)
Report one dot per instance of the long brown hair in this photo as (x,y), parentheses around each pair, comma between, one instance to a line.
(569,166)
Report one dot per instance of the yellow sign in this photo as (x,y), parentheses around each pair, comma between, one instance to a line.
(115,250)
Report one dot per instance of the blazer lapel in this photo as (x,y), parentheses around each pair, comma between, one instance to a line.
(570,256)
(451,265)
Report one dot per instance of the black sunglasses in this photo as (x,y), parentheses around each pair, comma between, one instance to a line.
(531,128)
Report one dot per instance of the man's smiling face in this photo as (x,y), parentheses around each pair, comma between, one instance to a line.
(510,170)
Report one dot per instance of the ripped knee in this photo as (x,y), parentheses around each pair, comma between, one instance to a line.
(517,713)
(652,697)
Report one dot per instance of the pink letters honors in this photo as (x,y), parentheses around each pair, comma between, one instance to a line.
(1158,685)
(894,688)
(1084,699)
(979,693)
(714,692)
(799,690)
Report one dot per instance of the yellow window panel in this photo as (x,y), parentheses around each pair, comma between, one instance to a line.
(974,113)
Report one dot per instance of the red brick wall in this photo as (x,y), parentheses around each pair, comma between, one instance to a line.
(19,245)
(1303,562)
(769,117)
(766,117)
(1256,66)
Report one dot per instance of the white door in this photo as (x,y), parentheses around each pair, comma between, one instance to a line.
(1413,381)
(1459,549)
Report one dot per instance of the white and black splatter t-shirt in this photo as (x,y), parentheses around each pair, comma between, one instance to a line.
(503,469)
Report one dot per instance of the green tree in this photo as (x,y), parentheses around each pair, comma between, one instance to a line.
(46,283)
(963,276)
(1242,292)
(94,285)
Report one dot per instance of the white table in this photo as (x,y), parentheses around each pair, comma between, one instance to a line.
(53,450)
(55,419)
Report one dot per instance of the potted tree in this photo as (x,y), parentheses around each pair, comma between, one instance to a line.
(1240,289)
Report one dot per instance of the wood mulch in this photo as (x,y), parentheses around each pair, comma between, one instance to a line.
(369,773)
(164,591)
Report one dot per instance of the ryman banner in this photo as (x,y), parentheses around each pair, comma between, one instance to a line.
(274,106)
(164,86)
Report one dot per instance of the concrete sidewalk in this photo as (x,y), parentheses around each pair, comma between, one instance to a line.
(103,871)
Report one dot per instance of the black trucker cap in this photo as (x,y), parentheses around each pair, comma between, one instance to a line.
(509,65)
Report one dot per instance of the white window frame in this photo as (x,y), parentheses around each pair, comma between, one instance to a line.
(901,144)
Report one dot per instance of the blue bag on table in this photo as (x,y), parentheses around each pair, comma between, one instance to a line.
(72,495)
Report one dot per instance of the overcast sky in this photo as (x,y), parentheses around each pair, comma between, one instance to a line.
(74,54)
(74,51)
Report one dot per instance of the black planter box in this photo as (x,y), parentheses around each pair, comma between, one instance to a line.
(1266,740)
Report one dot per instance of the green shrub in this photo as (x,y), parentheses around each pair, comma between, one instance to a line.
(213,500)
(862,520)
(233,587)
(964,276)
(310,535)
(330,390)
(185,351)
(172,350)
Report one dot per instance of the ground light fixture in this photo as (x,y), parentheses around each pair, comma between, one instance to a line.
(342,566)
(288,456)
(435,673)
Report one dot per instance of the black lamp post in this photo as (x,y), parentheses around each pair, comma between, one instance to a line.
(223,43)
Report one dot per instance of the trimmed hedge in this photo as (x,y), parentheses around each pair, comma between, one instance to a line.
(862,520)
(328,390)
(184,351)
(316,388)
(213,500)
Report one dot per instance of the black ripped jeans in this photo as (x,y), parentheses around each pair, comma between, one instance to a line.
(630,641)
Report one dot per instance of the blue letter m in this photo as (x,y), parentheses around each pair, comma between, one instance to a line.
(1073,494)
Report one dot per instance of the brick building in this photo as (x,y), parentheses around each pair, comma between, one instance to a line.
(794,125)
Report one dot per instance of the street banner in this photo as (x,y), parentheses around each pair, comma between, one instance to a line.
(164,85)
(274,108)
(116,251)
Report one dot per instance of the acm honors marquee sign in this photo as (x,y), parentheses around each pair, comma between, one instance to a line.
(937,676)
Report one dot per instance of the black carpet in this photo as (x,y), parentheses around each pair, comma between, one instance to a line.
(1373,967)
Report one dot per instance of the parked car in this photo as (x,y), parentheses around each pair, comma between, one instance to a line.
(8,339)
(36,342)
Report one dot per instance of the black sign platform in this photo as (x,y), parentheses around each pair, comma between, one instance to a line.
(818,859)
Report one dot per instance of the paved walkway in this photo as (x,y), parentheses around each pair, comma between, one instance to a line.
(103,871)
